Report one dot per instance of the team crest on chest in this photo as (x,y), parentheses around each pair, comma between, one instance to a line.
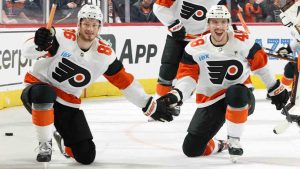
(220,70)
(76,75)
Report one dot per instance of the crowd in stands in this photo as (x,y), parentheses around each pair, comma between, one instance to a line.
(32,11)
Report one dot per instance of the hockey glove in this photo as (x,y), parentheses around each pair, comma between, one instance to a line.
(157,110)
(178,30)
(279,95)
(283,51)
(173,100)
(43,38)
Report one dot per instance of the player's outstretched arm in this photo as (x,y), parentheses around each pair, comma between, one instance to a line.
(134,92)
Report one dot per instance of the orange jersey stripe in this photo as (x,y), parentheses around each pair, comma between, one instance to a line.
(236,116)
(209,148)
(188,70)
(162,90)
(286,81)
(165,3)
(121,79)
(248,81)
(259,60)
(60,93)
(66,97)
(42,117)
(201,98)
(31,79)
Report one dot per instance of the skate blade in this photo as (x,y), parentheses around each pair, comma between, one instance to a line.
(66,155)
(46,165)
(234,158)
(150,119)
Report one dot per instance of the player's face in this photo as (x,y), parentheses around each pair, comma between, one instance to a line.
(88,29)
(218,29)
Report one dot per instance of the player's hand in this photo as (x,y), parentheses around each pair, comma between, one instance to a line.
(178,30)
(279,95)
(283,51)
(173,98)
(43,38)
(158,110)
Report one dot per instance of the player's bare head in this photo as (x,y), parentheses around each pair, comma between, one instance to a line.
(218,23)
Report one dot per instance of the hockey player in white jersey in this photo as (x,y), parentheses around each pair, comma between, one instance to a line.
(185,20)
(74,59)
(217,66)
(294,27)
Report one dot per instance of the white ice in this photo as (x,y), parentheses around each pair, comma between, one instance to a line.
(124,139)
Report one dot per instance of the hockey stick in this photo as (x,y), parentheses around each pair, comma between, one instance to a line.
(51,16)
(67,16)
(281,127)
(50,21)
(294,101)
(64,18)
(240,16)
(287,6)
(288,58)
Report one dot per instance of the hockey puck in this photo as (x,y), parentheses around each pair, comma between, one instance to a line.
(9,134)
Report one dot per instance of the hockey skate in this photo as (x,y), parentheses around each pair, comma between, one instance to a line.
(268,97)
(60,143)
(234,148)
(222,145)
(45,151)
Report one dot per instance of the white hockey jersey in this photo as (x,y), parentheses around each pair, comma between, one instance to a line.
(296,39)
(212,69)
(71,69)
(192,13)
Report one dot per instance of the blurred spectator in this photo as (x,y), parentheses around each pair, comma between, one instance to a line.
(142,11)
(119,9)
(67,10)
(271,10)
(237,6)
(13,12)
(34,9)
(6,20)
(253,11)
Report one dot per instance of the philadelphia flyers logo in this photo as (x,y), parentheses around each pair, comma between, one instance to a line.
(220,70)
(197,12)
(76,75)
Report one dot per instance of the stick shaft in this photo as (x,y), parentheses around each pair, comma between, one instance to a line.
(239,14)
(280,57)
(51,16)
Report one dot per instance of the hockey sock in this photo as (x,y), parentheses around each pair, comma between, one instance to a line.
(43,119)
(236,119)
(286,81)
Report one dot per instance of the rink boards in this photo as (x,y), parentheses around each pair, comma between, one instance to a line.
(138,47)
